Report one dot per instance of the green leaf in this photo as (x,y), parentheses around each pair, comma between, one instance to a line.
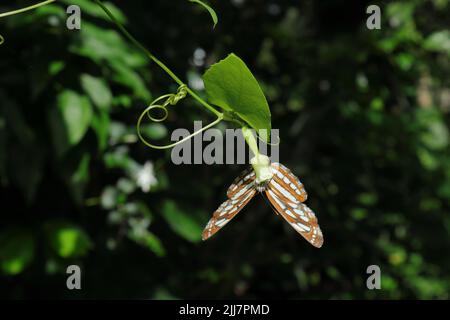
(67,240)
(97,89)
(181,222)
(55,67)
(131,79)
(210,10)
(154,131)
(101,45)
(438,41)
(155,244)
(16,250)
(100,123)
(231,86)
(76,113)
(149,240)
(76,174)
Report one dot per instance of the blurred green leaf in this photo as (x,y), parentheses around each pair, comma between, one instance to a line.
(368,198)
(438,41)
(154,244)
(75,171)
(129,78)
(163,294)
(231,86)
(154,131)
(100,123)
(91,8)
(181,222)
(151,241)
(56,67)
(17,250)
(359,213)
(67,239)
(100,46)
(76,112)
(97,89)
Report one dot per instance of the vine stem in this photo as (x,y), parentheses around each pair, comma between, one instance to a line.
(34,6)
(148,144)
(156,60)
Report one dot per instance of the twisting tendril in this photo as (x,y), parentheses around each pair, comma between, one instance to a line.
(170,99)
(270,143)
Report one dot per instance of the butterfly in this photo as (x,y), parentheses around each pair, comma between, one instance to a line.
(285,193)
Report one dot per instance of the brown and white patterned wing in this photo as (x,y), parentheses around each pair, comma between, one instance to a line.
(298,215)
(240,193)
(246,176)
(288,181)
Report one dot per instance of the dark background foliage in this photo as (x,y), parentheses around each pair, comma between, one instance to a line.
(363,117)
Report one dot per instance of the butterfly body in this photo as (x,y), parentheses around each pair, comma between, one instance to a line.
(285,193)
(262,186)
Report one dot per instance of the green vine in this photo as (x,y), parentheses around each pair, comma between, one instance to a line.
(170,99)
(164,101)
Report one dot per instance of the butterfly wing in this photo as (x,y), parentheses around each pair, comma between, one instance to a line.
(288,181)
(239,194)
(298,215)
(246,176)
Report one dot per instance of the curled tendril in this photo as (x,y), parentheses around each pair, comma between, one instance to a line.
(169,99)
(270,143)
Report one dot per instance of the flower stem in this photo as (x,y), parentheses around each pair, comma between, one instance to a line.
(260,162)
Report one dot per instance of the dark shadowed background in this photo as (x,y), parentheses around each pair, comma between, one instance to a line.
(364,122)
